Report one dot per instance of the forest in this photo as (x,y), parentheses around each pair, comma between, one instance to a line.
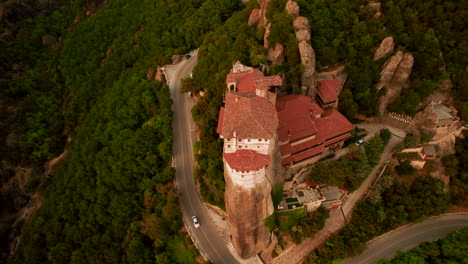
(451,249)
(112,200)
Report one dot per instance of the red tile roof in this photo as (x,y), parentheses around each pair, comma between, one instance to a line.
(253,117)
(338,139)
(296,113)
(327,90)
(295,122)
(246,160)
(309,153)
(220,120)
(250,79)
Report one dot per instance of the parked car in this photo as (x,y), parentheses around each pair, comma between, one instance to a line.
(359,142)
(195,222)
(187,56)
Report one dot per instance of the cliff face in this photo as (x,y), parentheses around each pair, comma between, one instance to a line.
(394,77)
(247,210)
(309,76)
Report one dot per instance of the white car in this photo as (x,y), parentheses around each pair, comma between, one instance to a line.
(359,142)
(195,222)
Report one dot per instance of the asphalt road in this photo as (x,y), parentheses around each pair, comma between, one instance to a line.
(408,237)
(206,237)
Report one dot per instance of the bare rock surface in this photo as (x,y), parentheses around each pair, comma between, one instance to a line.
(375,5)
(266,35)
(385,48)
(302,29)
(308,78)
(394,77)
(247,209)
(255,17)
(292,8)
(388,70)
(258,15)
(446,85)
(276,55)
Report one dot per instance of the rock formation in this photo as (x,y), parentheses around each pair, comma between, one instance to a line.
(388,70)
(394,76)
(376,7)
(247,209)
(301,24)
(292,8)
(385,48)
(276,56)
(258,16)
(266,34)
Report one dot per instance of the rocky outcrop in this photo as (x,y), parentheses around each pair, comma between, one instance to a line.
(388,70)
(247,209)
(276,56)
(258,15)
(394,77)
(301,24)
(376,7)
(292,8)
(446,85)
(308,78)
(303,29)
(384,49)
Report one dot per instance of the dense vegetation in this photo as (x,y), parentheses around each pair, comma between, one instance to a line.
(456,167)
(348,32)
(452,249)
(113,199)
(393,204)
(351,170)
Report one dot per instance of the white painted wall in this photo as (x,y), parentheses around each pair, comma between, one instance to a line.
(246,179)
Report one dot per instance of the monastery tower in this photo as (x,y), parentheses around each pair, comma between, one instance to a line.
(248,124)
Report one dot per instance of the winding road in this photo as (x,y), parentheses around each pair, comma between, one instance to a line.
(206,238)
(408,237)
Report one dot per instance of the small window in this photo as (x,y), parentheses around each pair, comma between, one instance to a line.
(249,140)
(229,146)
(258,146)
(240,146)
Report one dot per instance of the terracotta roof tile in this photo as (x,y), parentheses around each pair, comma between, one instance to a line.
(246,160)
(327,90)
(220,120)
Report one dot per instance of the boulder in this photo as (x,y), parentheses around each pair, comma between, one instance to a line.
(258,15)
(292,8)
(375,6)
(401,66)
(388,70)
(276,56)
(446,85)
(385,48)
(302,28)
(255,17)
(158,76)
